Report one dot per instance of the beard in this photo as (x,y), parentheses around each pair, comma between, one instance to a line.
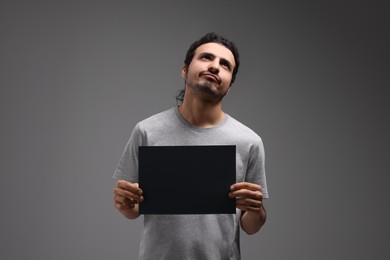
(205,90)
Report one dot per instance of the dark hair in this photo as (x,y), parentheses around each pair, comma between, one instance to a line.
(210,37)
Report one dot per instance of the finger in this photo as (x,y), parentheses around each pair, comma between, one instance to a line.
(122,195)
(132,187)
(124,205)
(245,185)
(249,208)
(249,203)
(246,194)
(124,200)
(127,194)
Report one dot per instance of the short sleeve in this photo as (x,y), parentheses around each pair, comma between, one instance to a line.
(256,168)
(127,168)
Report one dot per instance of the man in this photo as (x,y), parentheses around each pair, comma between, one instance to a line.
(209,70)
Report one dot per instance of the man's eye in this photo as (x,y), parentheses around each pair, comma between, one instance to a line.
(226,65)
(207,57)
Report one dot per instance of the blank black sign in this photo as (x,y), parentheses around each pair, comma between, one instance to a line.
(187,179)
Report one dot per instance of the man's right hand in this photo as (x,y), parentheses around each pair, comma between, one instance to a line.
(127,195)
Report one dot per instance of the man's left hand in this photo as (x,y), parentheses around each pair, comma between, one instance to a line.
(249,196)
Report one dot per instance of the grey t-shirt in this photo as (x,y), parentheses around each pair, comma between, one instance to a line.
(206,237)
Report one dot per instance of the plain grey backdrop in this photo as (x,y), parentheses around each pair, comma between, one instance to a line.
(76,76)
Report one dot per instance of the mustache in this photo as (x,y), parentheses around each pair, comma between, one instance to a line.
(208,73)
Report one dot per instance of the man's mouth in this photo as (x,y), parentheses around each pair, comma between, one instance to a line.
(211,76)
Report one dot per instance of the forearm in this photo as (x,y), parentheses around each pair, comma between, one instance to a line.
(251,222)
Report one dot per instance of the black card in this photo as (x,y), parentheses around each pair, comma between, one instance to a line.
(187,179)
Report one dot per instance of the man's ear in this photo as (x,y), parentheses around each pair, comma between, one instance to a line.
(184,72)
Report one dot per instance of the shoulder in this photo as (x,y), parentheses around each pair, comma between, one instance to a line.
(157,120)
(242,131)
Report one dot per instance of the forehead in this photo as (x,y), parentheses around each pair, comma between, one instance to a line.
(217,50)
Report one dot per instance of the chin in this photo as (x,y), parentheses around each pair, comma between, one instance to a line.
(207,90)
(211,94)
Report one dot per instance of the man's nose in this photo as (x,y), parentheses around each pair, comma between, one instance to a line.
(213,67)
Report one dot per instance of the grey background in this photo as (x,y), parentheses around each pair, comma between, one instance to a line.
(76,76)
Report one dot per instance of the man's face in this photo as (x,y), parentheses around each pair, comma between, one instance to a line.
(210,72)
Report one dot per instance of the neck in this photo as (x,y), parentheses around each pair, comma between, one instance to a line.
(200,113)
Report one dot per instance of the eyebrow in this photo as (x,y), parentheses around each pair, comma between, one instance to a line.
(222,59)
